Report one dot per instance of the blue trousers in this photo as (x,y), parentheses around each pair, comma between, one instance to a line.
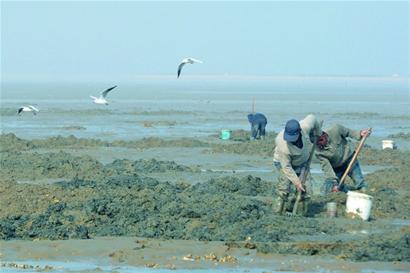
(258,128)
(355,174)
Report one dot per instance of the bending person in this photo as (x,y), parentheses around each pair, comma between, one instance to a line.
(293,147)
(258,123)
(335,152)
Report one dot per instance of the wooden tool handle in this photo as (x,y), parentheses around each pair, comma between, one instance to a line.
(302,178)
(253,105)
(355,155)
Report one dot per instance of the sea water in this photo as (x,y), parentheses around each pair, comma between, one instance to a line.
(199,107)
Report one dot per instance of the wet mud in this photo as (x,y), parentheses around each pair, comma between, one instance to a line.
(122,198)
(134,254)
(386,247)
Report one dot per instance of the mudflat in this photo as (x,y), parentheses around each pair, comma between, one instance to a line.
(147,181)
(146,210)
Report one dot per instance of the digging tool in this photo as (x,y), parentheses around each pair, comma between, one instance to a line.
(302,178)
(253,105)
(303,175)
(353,160)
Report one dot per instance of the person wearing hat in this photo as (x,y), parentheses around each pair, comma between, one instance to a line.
(335,152)
(293,147)
(258,123)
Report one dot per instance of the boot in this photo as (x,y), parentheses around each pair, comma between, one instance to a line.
(303,209)
(278,205)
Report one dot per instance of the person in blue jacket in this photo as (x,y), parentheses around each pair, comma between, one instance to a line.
(258,123)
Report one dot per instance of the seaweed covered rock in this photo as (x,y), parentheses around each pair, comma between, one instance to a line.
(125,166)
(10,142)
(386,157)
(391,247)
(7,229)
(263,147)
(50,224)
(134,205)
(18,165)
(30,166)
(249,185)
(386,247)
(244,136)
(152,142)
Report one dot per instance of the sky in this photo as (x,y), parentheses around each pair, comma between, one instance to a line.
(104,40)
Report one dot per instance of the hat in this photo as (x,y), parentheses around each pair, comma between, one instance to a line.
(292,130)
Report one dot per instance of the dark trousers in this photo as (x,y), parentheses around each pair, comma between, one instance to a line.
(355,174)
(258,128)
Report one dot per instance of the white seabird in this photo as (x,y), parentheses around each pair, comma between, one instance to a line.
(186,61)
(101,99)
(29,108)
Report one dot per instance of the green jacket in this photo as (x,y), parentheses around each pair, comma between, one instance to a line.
(338,150)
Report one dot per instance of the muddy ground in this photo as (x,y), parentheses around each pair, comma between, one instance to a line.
(134,254)
(88,199)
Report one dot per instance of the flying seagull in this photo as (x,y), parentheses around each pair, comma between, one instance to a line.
(186,61)
(29,108)
(101,99)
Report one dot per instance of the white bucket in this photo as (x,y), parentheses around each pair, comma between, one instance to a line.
(388,144)
(359,204)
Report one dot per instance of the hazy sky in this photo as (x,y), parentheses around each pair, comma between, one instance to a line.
(119,40)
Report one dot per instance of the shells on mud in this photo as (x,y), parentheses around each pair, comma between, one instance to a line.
(28,266)
(211,257)
(188,257)
(152,265)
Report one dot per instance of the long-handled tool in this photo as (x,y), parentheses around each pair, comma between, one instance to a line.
(304,174)
(253,105)
(353,160)
(302,178)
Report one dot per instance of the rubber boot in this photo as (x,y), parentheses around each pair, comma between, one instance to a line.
(278,205)
(304,208)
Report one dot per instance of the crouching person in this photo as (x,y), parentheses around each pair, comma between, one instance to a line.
(293,147)
(334,151)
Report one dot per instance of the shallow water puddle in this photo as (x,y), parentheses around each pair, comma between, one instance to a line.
(56,267)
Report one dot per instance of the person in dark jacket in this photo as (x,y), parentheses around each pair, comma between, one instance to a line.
(258,123)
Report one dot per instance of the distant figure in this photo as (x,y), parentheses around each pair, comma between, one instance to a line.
(258,123)
(334,152)
(29,108)
(184,62)
(102,99)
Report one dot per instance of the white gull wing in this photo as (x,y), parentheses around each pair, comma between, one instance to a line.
(184,62)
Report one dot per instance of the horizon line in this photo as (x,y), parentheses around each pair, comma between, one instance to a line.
(204,76)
